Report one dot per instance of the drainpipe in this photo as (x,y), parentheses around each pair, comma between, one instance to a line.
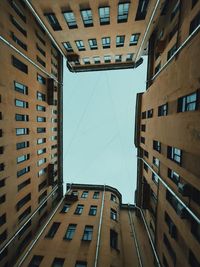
(177,51)
(31,216)
(135,237)
(99,230)
(147,29)
(41,231)
(172,192)
(27,58)
(149,236)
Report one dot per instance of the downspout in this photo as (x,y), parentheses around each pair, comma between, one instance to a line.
(147,29)
(177,51)
(172,192)
(41,231)
(149,236)
(25,223)
(99,229)
(135,237)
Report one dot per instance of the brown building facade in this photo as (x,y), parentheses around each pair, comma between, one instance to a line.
(92,228)
(30,128)
(167,136)
(99,35)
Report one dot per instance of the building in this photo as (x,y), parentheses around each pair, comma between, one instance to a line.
(91,227)
(30,128)
(167,136)
(99,35)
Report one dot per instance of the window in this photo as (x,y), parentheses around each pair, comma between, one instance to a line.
(81,264)
(120,40)
(171,52)
(105,42)
(79,209)
(24,214)
(52,231)
(149,113)
(42,185)
(35,261)
(2,199)
(70,232)
(23,184)
(174,154)
(23,171)
(23,158)
(146,167)
(58,262)
(92,44)
(2,166)
(155,178)
(65,208)
(70,19)
(173,176)
(41,61)
(113,198)
(86,60)
(141,10)
(194,2)
(20,117)
(19,65)
(175,10)
(87,235)
(18,10)
(195,229)
(41,119)
(195,195)
(41,79)
(40,50)
(157,146)
(96,195)
(118,58)
(104,15)
(84,194)
(129,57)
(171,226)
(2,219)
(145,153)
(42,197)
(3,237)
(96,60)
(41,161)
(157,68)
(41,130)
(163,110)
(187,103)
(41,141)
(93,210)
(80,45)
(51,17)
(40,38)
(22,131)
(143,128)
(156,162)
(42,171)
(40,108)
(2,183)
(113,214)
(113,239)
(23,201)
(18,41)
(144,113)
(21,88)
(169,248)
(21,103)
(18,26)
(87,17)
(68,46)
(41,151)
(134,39)
(193,260)
(123,12)
(142,139)
(107,59)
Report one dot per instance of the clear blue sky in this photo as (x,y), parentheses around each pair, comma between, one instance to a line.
(99,120)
